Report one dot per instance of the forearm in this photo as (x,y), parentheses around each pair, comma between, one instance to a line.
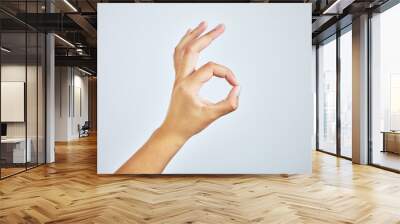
(155,154)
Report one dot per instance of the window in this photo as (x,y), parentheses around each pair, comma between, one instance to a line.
(346,94)
(334,138)
(327,97)
(385,89)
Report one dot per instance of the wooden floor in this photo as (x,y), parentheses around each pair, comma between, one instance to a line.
(69,191)
(387,159)
(5,172)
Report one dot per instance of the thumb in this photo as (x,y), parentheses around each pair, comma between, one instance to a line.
(229,104)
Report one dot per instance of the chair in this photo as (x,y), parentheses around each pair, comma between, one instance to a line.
(84,130)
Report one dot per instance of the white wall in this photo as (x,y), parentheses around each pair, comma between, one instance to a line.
(69,82)
(9,73)
(268,46)
(15,72)
(13,101)
(79,115)
(62,81)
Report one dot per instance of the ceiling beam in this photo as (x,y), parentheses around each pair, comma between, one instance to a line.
(84,24)
(338,6)
(82,61)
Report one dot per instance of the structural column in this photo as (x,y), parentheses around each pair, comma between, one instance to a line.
(50,92)
(360,90)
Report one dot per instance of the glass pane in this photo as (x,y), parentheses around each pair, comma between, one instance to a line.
(386,89)
(346,93)
(314,74)
(13,88)
(22,90)
(327,96)
(41,98)
(31,100)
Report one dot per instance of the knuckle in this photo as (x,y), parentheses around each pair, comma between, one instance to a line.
(181,87)
(189,49)
(210,64)
(233,105)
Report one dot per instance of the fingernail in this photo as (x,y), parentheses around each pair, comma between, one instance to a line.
(236,80)
(202,23)
(237,92)
(189,30)
(220,26)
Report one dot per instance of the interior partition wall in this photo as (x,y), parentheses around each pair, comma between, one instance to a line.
(334,94)
(23,87)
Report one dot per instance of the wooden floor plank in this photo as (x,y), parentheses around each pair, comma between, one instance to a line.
(70,191)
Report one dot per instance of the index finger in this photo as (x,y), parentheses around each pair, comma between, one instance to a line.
(191,34)
(205,40)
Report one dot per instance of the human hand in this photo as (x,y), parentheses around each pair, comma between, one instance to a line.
(188,113)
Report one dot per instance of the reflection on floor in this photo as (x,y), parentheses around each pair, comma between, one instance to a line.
(386,159)
(346,151)
(11,169)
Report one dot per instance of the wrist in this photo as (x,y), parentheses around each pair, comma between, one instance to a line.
(171,136)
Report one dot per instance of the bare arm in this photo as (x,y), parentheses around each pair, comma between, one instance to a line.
(188,113)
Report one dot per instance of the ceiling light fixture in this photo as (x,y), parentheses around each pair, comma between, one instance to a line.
(84,71)
(79,51)
(337,7)
(333,6)
(65,41)
(70,5)
(5,50)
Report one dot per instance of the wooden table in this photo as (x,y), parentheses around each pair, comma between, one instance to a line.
(13,150)
(391,141)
